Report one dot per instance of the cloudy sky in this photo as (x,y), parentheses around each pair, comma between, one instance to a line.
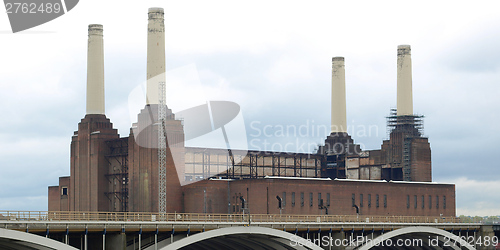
(274,59)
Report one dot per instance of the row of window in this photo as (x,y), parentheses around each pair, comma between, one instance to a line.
(415,201)
(320,203)
(361,200)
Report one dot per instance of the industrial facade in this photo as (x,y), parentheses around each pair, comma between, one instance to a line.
(137,174)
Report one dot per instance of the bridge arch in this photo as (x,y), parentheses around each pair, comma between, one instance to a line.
(10,239)
(244,238)
(443,237)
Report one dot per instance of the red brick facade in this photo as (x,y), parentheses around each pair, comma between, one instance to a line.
(394,198)
(143,163)
(89,165)
(59,195)
(95,183)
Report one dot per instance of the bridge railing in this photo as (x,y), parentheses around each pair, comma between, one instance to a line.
(216,218)
(351,219)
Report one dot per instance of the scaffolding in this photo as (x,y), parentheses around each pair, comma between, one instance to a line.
(118,173)
(411,125)
(403,129)
(162,151)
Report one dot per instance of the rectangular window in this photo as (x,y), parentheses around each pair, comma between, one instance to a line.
(310,199)
(353,200)
(369,200)
(385,200)
(361,200)
(327,199)
(444,202)
(319,200)
(437,201)
(416,199)
(430,201)
(64,191)
(293,199)
(376,201)
(235,197)
(284,199)
(407,201)
(301,199)
(423,201)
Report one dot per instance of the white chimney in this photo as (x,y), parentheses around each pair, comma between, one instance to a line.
(339,120)
(156,54)
(405,96)
(95,71)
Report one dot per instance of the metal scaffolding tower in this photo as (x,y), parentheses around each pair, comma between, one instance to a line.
(162,150)
(406,128)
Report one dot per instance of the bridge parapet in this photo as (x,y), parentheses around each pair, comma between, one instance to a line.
(216,218)
(59,222)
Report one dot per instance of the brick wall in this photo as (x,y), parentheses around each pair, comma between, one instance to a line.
(143,163)
(89,165)
(261,197)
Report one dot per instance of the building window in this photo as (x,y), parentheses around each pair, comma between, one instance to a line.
(64,191)
(301,199)
(423,201)
(430,201)
(369,200)
(361,200)
(235,197)
(327,199)
(437,201)
(353,200)
(310,199)
(407,201)
(444,202)
(284,199)
(320,203)
(385,200)
(293,199)
(416,199)
(376,201)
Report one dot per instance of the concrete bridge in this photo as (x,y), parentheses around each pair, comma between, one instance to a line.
(94,230)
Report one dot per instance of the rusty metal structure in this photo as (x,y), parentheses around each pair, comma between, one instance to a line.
(205,163)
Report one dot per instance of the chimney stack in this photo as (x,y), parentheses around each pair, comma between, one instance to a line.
(405,96)
(95,71)
(156,54)
(339,120)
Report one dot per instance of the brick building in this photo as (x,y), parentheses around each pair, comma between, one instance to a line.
(109,173)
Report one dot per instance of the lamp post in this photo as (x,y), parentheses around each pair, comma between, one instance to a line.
(243,207)
(205,201)
(322,206)
(357,210)
(280,202)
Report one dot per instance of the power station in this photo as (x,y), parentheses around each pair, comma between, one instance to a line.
(152,170)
